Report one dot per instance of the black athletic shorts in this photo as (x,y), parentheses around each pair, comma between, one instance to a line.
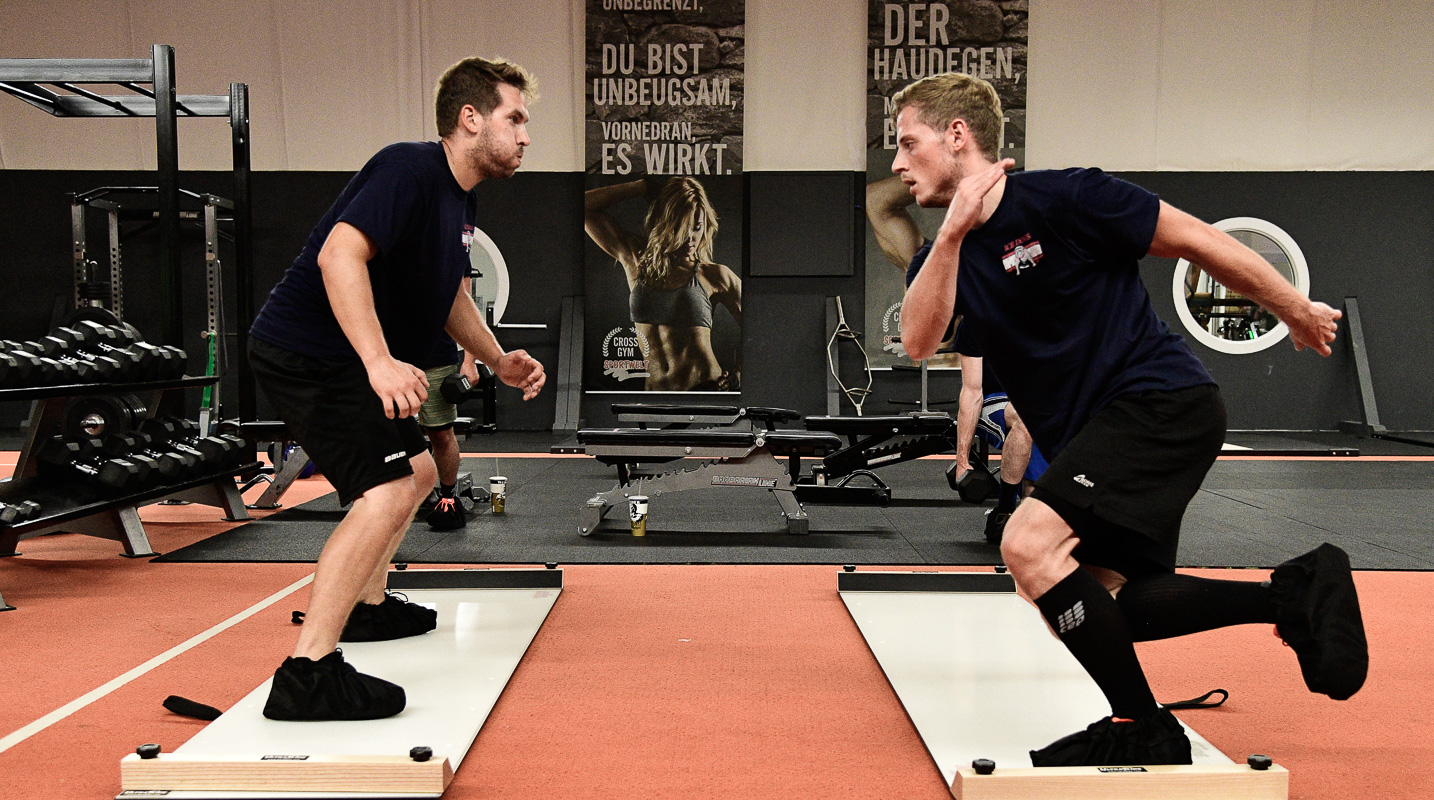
(1123,482)
(333,413)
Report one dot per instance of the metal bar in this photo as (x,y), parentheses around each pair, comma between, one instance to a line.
(1361,362)
(243,247)
(36,94)
(131,106)
(77,70)
(833,391)
(171,278)
(86,93)
(213,306)
(140,89)
(77,243)
(116,266)
(570,366)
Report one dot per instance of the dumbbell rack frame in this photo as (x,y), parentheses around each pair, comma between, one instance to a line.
(75,507)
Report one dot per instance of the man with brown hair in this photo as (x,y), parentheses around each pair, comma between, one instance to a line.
(334,349)
(1045,264)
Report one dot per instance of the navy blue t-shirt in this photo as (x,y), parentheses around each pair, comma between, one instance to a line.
(443,353)
(1053,281)
(965,343)
(407,201)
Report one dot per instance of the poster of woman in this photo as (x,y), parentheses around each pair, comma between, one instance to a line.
(677,290)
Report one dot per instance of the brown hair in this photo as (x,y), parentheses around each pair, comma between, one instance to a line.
(939,99)
(474,82)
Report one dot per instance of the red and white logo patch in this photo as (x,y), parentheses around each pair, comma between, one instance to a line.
(1021,254)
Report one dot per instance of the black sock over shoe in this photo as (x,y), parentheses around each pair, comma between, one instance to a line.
(1091,625)
(1009,496)
(1162,606)
(447,489)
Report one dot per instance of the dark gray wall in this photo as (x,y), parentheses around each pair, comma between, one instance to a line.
(1364,234)
(1368,234)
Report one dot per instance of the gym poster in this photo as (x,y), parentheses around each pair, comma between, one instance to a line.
(663,190)
(907,41)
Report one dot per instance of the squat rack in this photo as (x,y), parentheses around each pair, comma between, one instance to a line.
(150,82)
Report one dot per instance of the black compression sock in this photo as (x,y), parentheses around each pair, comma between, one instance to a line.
(1162,606)
(1091,626)
(1010,495)
(446,489)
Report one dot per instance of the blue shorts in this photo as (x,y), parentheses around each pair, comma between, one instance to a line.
(992,427)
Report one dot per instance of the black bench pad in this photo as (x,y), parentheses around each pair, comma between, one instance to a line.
(910,424)
(668,409)
(702,437)
(801,443)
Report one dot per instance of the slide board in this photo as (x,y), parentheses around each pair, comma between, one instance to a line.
(975,667)
(452,677)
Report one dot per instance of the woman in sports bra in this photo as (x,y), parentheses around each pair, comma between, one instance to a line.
(672,280)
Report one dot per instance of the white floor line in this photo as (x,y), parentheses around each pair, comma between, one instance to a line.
(79,703)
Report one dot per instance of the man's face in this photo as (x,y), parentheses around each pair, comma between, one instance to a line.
(499,150)
(924,161)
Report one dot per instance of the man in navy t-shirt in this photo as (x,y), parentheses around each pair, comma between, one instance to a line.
(335,348)
(982,407)
(1047,264)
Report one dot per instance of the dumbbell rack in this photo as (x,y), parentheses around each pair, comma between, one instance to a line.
(73,506)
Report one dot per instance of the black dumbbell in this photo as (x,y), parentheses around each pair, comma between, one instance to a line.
(214,452)
(161,363)
(11,375)
(111,335)
(16,513)
(974,485)
(79,457)
(171,466)
(457,389)
(37,370)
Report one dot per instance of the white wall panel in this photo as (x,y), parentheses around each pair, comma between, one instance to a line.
(806,86)
(1094,86)
(1123,84)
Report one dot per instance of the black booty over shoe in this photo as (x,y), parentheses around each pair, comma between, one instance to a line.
(1154,739)
(330,689)
(1317,614)
(394,618)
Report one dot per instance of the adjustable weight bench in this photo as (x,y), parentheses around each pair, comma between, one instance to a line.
(733,458)
(873,442)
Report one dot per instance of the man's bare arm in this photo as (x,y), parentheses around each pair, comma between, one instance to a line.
(968,409)
(471,332)
(343,263)
(1237,267)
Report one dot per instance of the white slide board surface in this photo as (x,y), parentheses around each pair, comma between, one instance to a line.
(452,677)
(981,676)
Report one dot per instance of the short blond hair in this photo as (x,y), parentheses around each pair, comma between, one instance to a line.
(474,82)
(939,99)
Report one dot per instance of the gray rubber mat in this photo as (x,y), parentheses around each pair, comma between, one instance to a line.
(1249,514)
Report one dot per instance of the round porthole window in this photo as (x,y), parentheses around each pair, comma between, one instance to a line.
(1225,320)
(489,274)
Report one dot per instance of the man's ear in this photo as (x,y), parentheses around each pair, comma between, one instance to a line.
(471,119)
(957,133)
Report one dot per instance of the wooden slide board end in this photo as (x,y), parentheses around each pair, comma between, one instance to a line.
(286,773)
(1199,782)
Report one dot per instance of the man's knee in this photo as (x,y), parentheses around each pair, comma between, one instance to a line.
(1036,541)
(425,474)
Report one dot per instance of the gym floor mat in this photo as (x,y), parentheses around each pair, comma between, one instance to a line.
(1250,513)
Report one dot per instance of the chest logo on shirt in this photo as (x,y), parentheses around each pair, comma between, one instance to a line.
(1021,254)
(467,237)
